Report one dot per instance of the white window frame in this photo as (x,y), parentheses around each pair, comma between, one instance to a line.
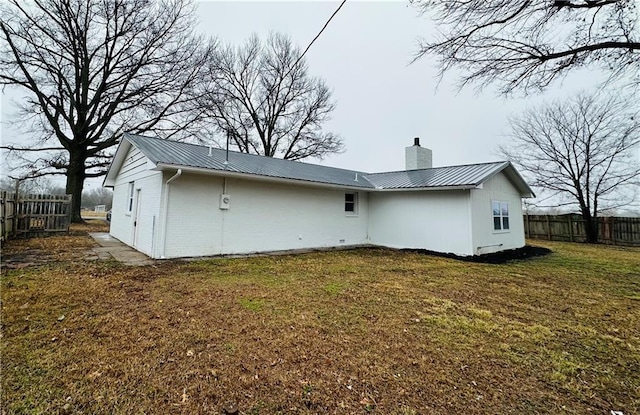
(501,216)
(130,198)
(353,212)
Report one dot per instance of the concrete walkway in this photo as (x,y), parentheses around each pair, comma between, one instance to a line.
(111,247)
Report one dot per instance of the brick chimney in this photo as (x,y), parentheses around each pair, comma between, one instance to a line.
(417,157)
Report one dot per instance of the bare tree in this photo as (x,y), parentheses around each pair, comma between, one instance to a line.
(39,185)
(582,148)
(97,196)
(526,44)
(262,96)
(91,69)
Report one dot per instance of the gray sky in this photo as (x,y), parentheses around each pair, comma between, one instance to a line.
(382,100)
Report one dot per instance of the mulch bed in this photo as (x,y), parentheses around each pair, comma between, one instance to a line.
(502,257)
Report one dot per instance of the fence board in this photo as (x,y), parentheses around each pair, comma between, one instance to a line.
(7,218)
(570,228)
(33,214)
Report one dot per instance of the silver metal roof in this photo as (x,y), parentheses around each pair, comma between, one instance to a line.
(467,176)
(176,154)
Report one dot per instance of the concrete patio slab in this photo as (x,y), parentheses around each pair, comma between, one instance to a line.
(111,247)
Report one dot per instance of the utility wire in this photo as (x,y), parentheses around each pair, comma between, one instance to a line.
(316,38)
(297,60)
(304,52)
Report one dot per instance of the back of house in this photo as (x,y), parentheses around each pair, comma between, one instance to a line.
(176,200)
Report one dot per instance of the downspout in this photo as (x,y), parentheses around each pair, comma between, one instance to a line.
(165,214)
(222,212)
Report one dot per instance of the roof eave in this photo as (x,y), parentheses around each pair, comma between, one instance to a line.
(514,176)
(258,177)
(428,188)
(525,191)
(117,161)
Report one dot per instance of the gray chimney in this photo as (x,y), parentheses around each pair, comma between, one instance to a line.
(417,157)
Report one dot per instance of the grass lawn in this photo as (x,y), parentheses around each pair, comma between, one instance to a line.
(363,331)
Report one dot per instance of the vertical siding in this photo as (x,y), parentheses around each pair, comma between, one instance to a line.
(135,169)
(433,220)
(262,217)
(485,239)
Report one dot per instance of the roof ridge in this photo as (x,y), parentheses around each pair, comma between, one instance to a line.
(443,167)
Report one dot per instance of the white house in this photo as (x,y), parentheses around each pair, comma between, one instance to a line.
(174,199)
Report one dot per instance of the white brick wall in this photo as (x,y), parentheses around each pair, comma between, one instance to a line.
(262,217)
(135,169)
(497,188)
(266,216)
(433,220)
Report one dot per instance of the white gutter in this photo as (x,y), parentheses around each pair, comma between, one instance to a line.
(165,213)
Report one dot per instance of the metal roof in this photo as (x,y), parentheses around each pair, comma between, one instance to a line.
(175,153)
(167,153)
(467,176)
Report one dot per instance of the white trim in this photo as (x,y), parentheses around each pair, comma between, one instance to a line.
(354,212)
(501,216)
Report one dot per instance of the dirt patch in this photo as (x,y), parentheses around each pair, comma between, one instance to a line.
(89,225)
(502,257)
(74,246)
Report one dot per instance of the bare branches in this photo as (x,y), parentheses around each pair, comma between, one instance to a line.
(262,96)
(525,45)
(583,148)
(91,68)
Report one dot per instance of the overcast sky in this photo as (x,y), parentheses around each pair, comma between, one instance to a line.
(383,101)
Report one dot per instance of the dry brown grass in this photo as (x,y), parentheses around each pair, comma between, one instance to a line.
(365,331)
(71,246)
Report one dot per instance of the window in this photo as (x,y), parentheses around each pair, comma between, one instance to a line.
(130,203)
(500,216)
(351,203)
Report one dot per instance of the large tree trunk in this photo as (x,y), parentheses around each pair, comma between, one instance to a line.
(75,183)
(590,227)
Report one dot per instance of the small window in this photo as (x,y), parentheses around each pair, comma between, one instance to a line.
(351,203)
(500,216)
(130,202)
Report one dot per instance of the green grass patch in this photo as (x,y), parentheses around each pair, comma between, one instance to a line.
(253,304)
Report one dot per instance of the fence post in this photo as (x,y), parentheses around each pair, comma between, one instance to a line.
(570,227)
(613,230)
(69,214)
(4,208)
(548,227)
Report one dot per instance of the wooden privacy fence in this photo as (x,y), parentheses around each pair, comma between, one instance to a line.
(31,215)
(611,230)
